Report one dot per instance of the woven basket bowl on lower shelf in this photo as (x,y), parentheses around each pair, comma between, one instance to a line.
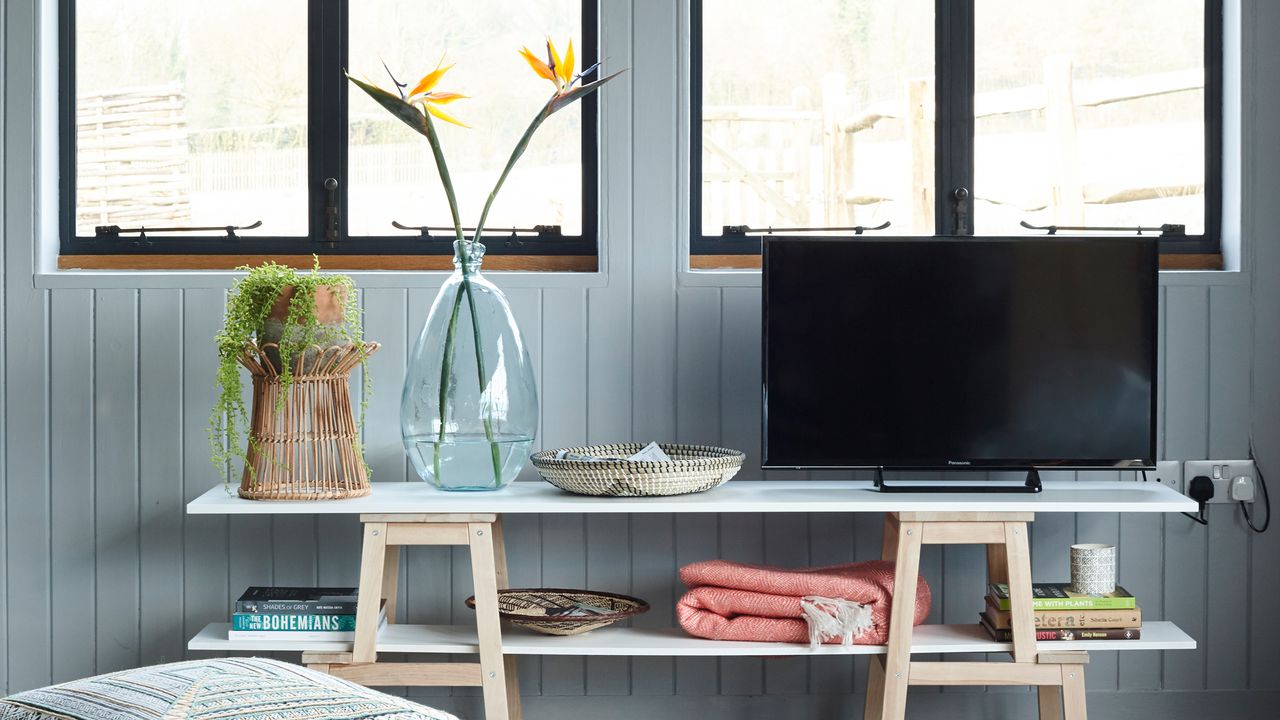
(693,468)
(548,610)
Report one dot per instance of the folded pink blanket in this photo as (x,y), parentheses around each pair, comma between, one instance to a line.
(735,601)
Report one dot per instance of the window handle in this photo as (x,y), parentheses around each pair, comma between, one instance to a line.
(330,211)
(960,210)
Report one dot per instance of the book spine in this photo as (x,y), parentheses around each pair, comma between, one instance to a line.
(1080,603)
(1074,634)
(292,637)
(269,607)
(277,622)
(1051,619)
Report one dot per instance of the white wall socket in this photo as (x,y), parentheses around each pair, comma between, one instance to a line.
(1222,472)
(1167,473)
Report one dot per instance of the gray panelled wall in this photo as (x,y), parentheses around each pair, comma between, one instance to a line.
(106,391)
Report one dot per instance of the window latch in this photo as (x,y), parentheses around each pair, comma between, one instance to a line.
(1165,230)
(960,210)
(330,210)
(115,232)
(742,231)
(446,233)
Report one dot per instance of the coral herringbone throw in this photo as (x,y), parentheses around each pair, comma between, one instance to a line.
(735,601)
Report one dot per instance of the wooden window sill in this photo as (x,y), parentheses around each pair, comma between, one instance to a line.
(1179,261)
(525,263)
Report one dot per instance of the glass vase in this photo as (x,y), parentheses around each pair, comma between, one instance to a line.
(469,410)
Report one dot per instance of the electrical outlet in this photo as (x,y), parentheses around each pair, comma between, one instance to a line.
(1168,473)
(1222,473)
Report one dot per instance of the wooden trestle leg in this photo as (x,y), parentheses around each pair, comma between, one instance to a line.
(379,577)
(1059,677)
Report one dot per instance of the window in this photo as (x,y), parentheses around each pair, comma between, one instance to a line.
(845,114)
(236,113)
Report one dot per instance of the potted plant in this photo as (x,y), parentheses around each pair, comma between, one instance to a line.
(289,327)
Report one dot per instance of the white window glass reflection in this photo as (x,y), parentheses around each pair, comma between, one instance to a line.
(817,114)
(393,177)
(1089,112)
(191,114)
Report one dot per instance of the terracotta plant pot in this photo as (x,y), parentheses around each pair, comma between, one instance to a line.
(328,312)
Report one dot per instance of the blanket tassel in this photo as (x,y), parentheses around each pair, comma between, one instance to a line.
(831,618)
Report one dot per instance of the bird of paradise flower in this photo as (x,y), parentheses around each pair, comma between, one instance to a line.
(418,109)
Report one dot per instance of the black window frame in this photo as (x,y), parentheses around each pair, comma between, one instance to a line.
(327,128)
(954,68)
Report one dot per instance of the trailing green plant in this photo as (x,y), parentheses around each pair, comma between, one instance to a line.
(249,304)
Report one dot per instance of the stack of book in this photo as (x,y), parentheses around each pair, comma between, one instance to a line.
(297,614)
(1061,614)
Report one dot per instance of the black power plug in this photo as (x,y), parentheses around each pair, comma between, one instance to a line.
(1201,491)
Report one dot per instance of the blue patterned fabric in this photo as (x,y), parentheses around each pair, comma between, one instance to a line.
(222,689)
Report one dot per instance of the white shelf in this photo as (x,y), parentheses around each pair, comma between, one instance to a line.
(739,495)
(672,642)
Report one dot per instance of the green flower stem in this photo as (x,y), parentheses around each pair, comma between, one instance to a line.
(446,369)
(521,146)
(446,365)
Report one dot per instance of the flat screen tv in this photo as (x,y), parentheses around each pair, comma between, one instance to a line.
(959,354)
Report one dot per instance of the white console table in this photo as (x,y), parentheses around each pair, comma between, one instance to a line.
(397,514)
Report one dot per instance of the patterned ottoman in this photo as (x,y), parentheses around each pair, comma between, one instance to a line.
(248,688)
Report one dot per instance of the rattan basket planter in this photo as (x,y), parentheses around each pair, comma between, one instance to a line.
(693,468)
(548,610)
(308,447)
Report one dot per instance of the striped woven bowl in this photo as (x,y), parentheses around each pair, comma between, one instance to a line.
(693,468)
(553,611)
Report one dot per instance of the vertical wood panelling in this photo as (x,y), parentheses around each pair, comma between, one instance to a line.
(4,347)
(206,555)
(608,567)
(741,534)
(563,396)
(71,408)
(1186,437)
(1226,638)
(115,437)
(26,343)
(1261,220)
(697,421)
(160,474)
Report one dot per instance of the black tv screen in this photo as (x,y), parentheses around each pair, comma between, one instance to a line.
(959,353)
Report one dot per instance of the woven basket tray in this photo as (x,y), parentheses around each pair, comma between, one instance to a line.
(693,468)
(546,610)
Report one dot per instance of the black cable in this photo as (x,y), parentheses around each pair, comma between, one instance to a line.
(1200,519)
(1266,496)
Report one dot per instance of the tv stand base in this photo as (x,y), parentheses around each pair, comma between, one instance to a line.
(1032,485)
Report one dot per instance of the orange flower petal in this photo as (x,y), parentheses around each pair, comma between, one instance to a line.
(445,97)
(565,69)
(553,56)
(429,80)
(444,115)
(538,66)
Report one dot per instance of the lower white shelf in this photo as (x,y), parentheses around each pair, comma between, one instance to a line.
(668,642)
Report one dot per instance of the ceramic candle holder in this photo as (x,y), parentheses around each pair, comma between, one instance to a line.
(1093,568)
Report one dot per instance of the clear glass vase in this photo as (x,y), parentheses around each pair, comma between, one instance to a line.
(469,410)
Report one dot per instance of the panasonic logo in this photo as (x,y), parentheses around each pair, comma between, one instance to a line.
(959,462)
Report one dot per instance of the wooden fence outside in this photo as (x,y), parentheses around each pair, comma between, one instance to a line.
(759,163)
(132,155)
